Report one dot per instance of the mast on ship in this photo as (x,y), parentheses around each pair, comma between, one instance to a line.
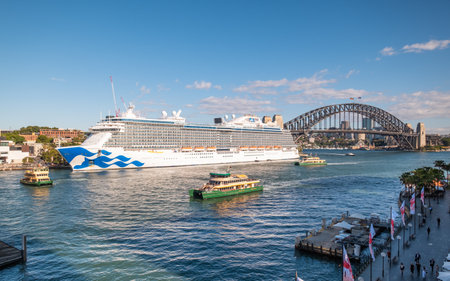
(114,97)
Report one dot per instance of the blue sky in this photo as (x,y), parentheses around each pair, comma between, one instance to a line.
(210,58)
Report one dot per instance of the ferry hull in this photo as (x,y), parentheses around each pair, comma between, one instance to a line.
(90,158)
(310,164)
(215,194)
(39,183)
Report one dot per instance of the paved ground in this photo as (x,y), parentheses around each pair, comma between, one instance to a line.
(436,246)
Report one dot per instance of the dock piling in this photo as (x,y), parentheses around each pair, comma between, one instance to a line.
(24,248)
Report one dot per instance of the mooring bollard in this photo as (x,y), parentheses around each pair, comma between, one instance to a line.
(24,248)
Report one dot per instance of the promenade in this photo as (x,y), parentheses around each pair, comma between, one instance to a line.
(436,246)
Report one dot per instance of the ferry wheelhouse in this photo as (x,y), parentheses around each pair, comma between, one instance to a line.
(310,160)
(226,184)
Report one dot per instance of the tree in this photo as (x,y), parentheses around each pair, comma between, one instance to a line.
(16,138)
(446,141)
(44,139)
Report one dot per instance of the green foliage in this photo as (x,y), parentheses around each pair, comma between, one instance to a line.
(44,139)
(28,160)
(422,177)
(51,155)
(33,129)
(446,141)
(14,137)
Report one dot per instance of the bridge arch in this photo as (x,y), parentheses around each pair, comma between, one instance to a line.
(386,120)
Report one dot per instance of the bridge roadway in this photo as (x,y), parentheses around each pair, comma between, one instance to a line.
(354,131)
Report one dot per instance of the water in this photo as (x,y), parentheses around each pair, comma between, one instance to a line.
(141,224)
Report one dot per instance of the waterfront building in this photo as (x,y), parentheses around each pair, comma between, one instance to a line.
(12,154)
(367,123)
(60,133)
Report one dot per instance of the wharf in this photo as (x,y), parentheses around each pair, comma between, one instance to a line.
(353,232)
(9,255)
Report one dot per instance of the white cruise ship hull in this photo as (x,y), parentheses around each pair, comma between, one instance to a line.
(83,158)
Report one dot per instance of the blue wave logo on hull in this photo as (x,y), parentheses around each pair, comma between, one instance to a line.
(69,153)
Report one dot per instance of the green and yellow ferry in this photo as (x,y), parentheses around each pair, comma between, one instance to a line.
(310,160)
(37,176)
(226,184)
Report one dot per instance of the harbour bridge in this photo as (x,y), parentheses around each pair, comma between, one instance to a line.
(356,118)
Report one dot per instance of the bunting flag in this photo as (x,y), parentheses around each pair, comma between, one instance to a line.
(412,204)
(359,98)
(371,235)
(393,216)
(422,196)
(297,278)
(352,98)
(402,211)
(347,274)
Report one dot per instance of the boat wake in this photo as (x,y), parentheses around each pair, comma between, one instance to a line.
(343,163)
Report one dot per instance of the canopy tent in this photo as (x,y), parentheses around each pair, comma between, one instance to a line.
(344,225)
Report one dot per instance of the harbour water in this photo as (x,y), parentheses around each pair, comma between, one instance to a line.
(142,225)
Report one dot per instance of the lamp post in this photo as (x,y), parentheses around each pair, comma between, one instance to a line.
(383,254)
(409,227)
(398,248)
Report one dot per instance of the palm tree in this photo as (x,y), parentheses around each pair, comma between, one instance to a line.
(439,164)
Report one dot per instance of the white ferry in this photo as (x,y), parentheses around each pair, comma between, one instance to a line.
(130,141)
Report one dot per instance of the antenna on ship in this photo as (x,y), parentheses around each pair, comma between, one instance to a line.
(114,97)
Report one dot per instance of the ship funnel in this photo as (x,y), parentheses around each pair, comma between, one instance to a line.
(233,116)
(174,113)
(226,117)
(178,113)
(164,114)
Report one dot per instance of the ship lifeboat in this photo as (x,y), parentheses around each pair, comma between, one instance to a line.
(211,148)
(243,148)
(253,148)
(277,147)
(269,147)
(199,148)
(260,147)
(186,149)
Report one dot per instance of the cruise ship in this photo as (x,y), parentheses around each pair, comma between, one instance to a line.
(131,141)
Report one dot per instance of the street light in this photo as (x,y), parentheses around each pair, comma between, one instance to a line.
(383,254)
(409,227)
(398,248)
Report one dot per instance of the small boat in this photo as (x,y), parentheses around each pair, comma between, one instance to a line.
(37,176)
(310,161)
(349,154)
(225,184)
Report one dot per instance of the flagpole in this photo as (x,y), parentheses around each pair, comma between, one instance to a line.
(370,268)
(390,238)
(342,276)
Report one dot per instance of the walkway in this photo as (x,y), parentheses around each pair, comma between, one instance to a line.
(436,246)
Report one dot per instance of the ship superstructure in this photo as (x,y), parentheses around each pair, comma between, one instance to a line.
(130,141)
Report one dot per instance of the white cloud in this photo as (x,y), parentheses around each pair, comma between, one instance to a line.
(387,51)
(161,88)
(217,105)
(200,85)
(144,90)
(351,72)
(428,46)
(420,105)
(441,131)
(218,87)
(272,87)
(58,79)
(321,94)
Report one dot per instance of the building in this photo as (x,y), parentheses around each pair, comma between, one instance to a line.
(60,133)
(345,125)
(278,119)
(30,138)
(12,154)
(421,138)
(367,123)
(266,119)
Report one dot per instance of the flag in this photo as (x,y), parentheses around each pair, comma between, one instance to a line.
(297,278)
(422,196)
(371,235)
(347,274)
(393,216)
(402,211)
(412,204)
(359,98)
(352,98)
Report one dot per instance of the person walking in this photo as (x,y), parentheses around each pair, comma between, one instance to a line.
(428,231)
(417,257)
(439,222)
(418,267)
(432,262)
(402,267)
(431,209)
(424,273)
(411,267)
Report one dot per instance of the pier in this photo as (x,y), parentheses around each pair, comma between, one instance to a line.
(10,255)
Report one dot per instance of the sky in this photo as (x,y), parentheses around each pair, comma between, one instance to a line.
(211,58)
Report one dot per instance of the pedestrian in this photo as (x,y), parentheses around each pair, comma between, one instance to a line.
(428,230)
(402,267)
(411,267)
(389,256)
(431,209)
(432,262)
(417,257)
(439,222)
(424,273)
(418,267)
